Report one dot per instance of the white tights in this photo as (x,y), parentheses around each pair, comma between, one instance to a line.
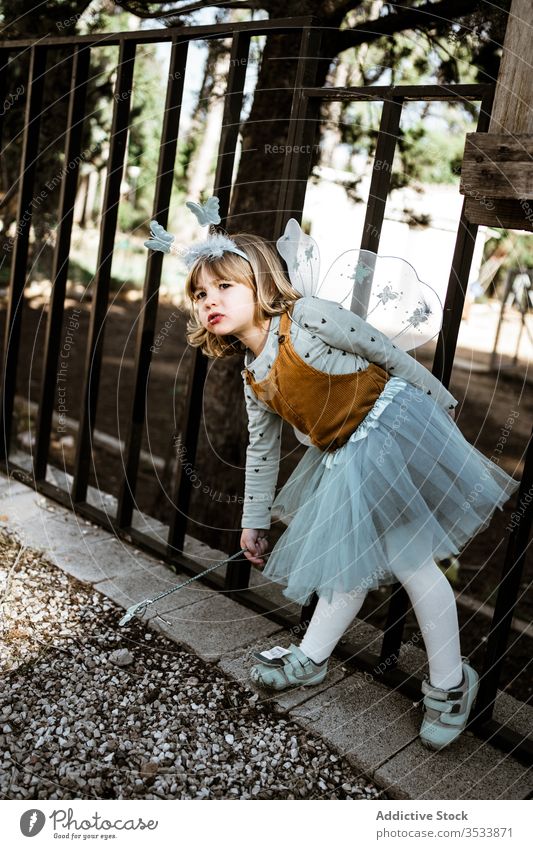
(435,609)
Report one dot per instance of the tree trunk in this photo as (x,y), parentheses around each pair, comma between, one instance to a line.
(207,118)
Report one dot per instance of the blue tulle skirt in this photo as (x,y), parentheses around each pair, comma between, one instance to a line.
(406,486)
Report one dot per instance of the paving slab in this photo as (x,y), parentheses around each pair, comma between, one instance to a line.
(80,548)
(86,565)
(202,553)
(16,505)
(470,769)
(365,721)
(517,715)
(34,519)
(413,659)
(23,459)
(238,663)
(214,627)
(412,656)
(10,487)
(31,524)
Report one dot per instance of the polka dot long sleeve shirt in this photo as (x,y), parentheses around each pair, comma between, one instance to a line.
(332,339)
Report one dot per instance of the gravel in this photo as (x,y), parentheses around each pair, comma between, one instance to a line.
(90,710)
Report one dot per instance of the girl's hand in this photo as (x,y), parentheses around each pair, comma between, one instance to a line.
(452,413)
(256,543)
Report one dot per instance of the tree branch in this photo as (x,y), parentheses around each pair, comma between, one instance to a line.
(139,10)
(419,17)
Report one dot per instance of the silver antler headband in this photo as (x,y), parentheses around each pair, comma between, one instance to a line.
(213,247)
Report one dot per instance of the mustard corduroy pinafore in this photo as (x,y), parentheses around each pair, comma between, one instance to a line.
(326,407)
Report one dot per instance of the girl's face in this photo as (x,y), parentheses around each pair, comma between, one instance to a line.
(224,307)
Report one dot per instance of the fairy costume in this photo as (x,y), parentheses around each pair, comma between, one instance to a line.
(404,477)
(386,471)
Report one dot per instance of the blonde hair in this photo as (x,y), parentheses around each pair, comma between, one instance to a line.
(263,274)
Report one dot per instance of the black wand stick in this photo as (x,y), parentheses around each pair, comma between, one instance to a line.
(139,608)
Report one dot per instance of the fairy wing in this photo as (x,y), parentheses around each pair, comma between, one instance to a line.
(302,258)
(387,292)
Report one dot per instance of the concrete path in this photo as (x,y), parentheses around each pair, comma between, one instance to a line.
(374,727)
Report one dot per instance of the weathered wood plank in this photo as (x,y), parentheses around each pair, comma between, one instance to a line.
(497,166)
(500,147)
(499,212)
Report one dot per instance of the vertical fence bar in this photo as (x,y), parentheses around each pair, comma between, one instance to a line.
(238,571)
(150,300)
(30,148)
(182,484)
(380,184)
(507,595)
(117,150)
(4,76)
(69,184)
(301,137)
(302,131)
(389,128)
(459,273)
(240,50)
(394,625)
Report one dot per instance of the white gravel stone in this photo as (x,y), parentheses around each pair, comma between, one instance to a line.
(93,710)
(121,657)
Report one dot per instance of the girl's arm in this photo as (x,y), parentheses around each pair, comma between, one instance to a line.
(262,462)
(342,329)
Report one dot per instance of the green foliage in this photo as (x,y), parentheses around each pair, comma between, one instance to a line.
(431,142)
(428,156)
(518,248)
(54,18)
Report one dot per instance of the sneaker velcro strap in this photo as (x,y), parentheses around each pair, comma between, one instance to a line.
(274,661)
(304,660)
(434,704)
(295,666)
(441,695)
(457,720)
(298,662)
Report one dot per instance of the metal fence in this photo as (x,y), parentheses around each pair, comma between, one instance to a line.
(302,130)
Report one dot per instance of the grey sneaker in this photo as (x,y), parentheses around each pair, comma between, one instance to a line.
(446,712)
(279,669)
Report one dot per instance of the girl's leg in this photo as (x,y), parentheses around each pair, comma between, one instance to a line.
(452,687)
(435,609)
(329,622)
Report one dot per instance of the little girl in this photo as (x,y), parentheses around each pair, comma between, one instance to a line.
(387,485)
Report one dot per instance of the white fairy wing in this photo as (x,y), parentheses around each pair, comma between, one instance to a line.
(302,257)
(387,292)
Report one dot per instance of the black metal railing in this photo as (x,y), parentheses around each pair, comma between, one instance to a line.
(302,131)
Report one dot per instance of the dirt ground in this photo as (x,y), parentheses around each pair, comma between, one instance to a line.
(495,414)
